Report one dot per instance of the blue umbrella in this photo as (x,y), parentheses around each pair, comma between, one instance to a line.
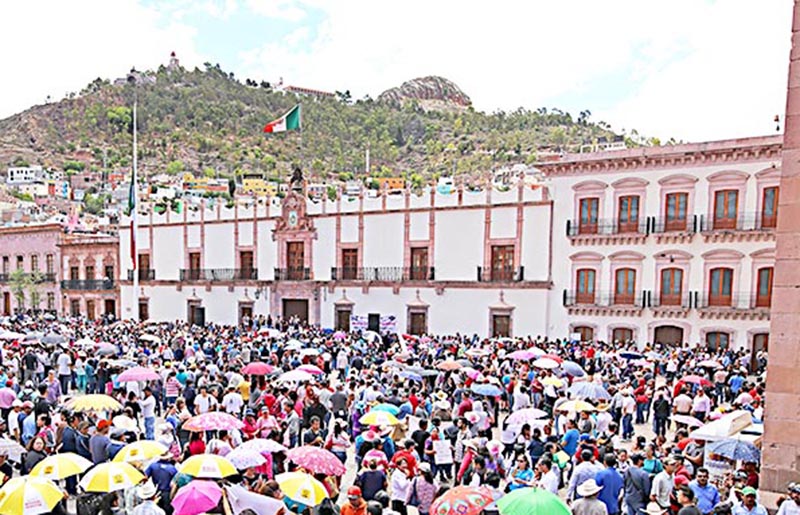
(573,369)
(388,408)
(489,390)
(586,390)
(736,450)
(408,374)
(630,355)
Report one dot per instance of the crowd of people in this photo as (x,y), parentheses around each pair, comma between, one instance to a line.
(399,421)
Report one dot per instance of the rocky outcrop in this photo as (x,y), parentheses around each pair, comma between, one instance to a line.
(431,93)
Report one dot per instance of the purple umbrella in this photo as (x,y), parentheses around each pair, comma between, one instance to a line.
(196,497)
(522,354)
(138,374)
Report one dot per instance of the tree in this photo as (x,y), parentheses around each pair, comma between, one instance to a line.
(19,283)
(209,173)
(35,280)
(20,162)
(120,118)
(174,167)
(74,166)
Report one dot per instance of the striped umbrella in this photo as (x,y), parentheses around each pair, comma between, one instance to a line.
(29,495)
(60,466)
(208,466)
(110,477)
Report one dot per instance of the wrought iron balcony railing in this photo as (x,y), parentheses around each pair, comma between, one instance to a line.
(742,222)
(219,274)
(87,284)
(604,299)
(383,273)
(292,274)
(501,275)
(605,227)
(145,274)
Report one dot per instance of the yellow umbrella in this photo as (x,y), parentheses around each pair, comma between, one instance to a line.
(576,405)
(302,488)
(60,466)
(140,451)
(379,418)
(553,381)
(29,495)
(93,402)
(110,477)
(208,466)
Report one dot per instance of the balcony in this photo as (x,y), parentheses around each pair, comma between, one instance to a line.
(87,284)
(501,275)
(219,274)
(292,274)
(670,305)
(42,277)
(383,273)
(745,227)
(145,274)
(611,230)
(737,306)
(604,303)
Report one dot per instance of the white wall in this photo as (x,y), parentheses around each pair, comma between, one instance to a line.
(459,244)
(383,240)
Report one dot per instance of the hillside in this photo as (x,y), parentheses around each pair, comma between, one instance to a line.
(206,121)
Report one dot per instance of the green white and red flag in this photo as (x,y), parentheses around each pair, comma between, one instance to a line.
(288,122)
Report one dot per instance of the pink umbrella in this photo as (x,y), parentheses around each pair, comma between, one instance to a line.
(311,369)
(339,335)
(138,374)
(472,373)
(196,497)
(257,368)
(378,456)
(213,421)
(522,354)
(316,460)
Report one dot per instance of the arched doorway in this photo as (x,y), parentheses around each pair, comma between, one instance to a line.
(668,335)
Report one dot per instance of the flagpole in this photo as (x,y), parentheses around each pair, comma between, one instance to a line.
(134,213)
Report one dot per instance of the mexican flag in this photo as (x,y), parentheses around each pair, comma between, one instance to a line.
(288,122)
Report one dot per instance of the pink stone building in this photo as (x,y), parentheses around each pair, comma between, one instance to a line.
(90,265)
(31,248)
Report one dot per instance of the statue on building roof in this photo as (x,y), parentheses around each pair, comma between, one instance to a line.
(296,181)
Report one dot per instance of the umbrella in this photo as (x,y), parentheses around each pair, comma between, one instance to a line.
(734,449)
(546,363)
(293,344)
(462,500)
(150,338)
(243,458)
(257,368)
(110,477)
(378,418)
(53,339)
(302,488)
(316,460)
(12,449)
(473,374)
(477,353)
(449,364)
(573,369)
(60,466)
(11,335)
(576,405)
(388,408)
(553,381)
(489,390)
(93,402)
(106,349)
(377,456)
(242,499)
(141,450)
(709,363)
(531,501)
(311,369)
(213,421)
(208,466)
(586,390)
(196,497)
(410,374)
(464,362)
(262,445)
(687,420)
(525,416)
(295,376)
(630,355)
(523,354)
(339,335)
(29,495)
(429,373)
(270,332)
(138,374)
(695,379)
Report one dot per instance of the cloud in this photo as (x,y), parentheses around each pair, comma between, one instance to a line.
(282,9)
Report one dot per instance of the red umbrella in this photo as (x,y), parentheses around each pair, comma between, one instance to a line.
(463,500)
(695,379)
(316,460)
(553,357)
(258,368)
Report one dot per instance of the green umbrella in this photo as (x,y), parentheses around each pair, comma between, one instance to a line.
(532,501)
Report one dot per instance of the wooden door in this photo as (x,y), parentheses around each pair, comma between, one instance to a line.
(74,273)
(720,290)
(418,323)
(764,288)
(671,286)
(769,207)
(6,303)
(726,204)
(144,310)
(374,322)
(110,307)
(245,310)
(625,286)
(144,262)
(295,308)
(246,264)
(502,263)
(419,263)
(295,260)
(343,320)
(588,215)
(586,333)
(350,264)
(501,326)
(628,214)
(622,335)
(585,289)
(90,314)
(676,212)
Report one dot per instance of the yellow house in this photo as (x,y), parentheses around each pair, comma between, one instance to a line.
(259,187)
(392,183)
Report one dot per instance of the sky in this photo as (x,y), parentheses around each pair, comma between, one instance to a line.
(693,70)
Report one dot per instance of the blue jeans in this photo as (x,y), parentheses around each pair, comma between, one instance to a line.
(150,428)
(627,426)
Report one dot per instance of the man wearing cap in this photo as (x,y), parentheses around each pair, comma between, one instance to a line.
(148,405)
(588,503)
(148,506)
(749,505)
(160,473)
(791,506)
(99,442)
(13,420)
(355,504)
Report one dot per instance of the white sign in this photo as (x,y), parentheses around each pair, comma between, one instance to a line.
(442,452)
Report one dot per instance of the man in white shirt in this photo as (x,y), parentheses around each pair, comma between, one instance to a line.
(549,479)
(64,371)
(148,405)
(701,405)
(233,402)
(204,402)
(682,404)
(14,431)
(628,409)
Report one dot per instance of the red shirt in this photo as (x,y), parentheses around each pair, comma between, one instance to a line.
(465,406)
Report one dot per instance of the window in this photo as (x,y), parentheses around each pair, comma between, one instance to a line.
(625,286)
(246,263)
(588,219)
(717,340)
(676,218)
(144,309)
(764,287)
(769,207)
(90,273)
(585,333)
(628,214)
(51,301)
(74,273)
(725,209)
(50,264)
(622,335)
(35,263)
(720,287)
(502,262)
(419,263)
(418,323)
(349,264)
(671,286)
(5,265)
(20,262)
(585,286)
(108,272)
(75,307)
(343,319)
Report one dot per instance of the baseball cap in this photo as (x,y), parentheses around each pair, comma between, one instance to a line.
(354,491)
(748,490)
(103,424)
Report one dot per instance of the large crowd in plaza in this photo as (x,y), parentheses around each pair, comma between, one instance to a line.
(274,417)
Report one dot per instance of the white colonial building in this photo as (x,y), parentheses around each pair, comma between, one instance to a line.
(670,244)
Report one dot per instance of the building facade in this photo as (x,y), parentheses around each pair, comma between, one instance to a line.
(90,263)
(32,249)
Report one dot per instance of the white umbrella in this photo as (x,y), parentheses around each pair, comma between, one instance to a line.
(262,445)
(295,375)
(243,458)
(11,335)
(545,363)
(150,338)
(293,344)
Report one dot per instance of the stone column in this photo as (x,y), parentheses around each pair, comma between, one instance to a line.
(781,443)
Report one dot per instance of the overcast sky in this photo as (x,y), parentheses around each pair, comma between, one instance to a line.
(689,69)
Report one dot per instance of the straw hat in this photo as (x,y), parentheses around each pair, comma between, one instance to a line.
(147,490)
(588,488)
(653,509)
